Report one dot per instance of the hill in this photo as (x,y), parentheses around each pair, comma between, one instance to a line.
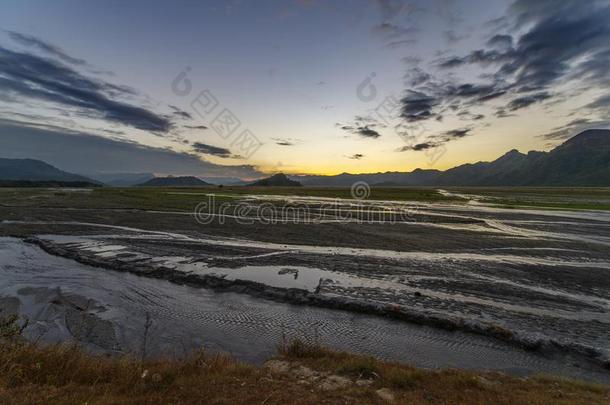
(277,180)
(32,171)
(583,160)
(171,181)
(121,179)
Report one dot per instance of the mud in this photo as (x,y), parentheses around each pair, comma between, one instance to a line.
(114,307)
(535,279)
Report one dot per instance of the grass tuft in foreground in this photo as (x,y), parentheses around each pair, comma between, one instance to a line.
(32,374)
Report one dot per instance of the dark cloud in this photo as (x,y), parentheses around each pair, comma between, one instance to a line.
(356,156)
(602,105)
(180,113)
(286,141)
(363,131)
(44,46)
(500,41)
(574,127)
(526,101)
(367,132)
(84,153)
(417,106)
(437,140)
(28,76)
(456,133)
(558,41)
(416,77)
(201,127)
(211,150)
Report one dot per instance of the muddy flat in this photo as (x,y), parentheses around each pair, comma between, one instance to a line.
(458,276)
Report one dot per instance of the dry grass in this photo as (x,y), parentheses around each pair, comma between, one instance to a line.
(31,374)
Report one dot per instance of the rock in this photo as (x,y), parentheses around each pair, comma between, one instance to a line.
(487,383)
(386,394)
(304,372)
(334,382)
(277,366)
(364,383)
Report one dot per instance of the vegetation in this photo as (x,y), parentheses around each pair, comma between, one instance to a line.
(186,199)
(32,374)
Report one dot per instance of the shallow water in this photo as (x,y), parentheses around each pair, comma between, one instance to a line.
(51,290)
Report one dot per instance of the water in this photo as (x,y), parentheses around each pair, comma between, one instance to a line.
(57,294)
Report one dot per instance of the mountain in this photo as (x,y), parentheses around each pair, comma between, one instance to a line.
(416,177)
(121,179)
(227,181)
(171,181)
(583,160)
(277,180)
(35,171)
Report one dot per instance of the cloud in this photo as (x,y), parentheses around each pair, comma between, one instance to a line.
(356,156)
(417,106)
(363,131)
(550,43)
(418,147)
(526,101)
(286,141)
(574,127)
(201,127)
(500,41)
(85,153)
(44,46)
(437,140)
(180,113)
(212,150)
(392,27)
(535,48)
(601,104)
(31,77)
(367,132)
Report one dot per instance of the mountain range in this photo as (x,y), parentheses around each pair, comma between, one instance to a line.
(583,160)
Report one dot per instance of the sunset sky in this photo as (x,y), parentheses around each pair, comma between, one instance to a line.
(321,87)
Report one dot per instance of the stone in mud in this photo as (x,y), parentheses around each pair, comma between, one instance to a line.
(334,382)
(386,394)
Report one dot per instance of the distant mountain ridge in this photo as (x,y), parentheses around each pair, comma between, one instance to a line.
(32,170)
(583,160)
(277,180)
(177,181)
(121,179)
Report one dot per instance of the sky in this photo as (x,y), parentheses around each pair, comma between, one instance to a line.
(241,89)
